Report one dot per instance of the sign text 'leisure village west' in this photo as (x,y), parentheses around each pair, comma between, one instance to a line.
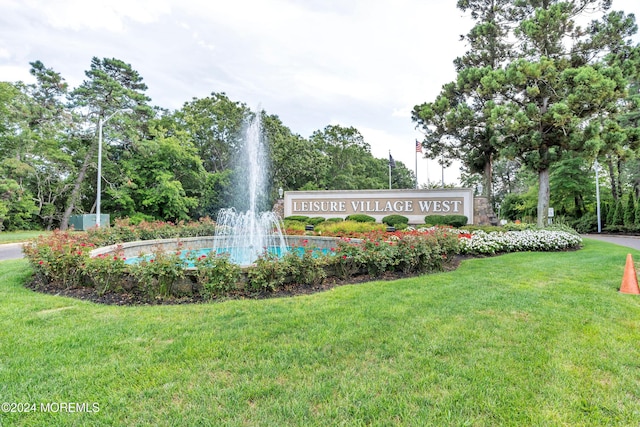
(414,204)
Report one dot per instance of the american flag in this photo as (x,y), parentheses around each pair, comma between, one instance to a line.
(418,147)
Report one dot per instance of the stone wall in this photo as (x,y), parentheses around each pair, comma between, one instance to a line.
(483,213)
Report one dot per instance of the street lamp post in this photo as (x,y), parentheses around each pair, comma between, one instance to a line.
(596,166)
(99,183)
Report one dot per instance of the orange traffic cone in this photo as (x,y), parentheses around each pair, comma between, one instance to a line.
(629,279)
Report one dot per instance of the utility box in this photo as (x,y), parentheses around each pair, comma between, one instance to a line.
(87,221)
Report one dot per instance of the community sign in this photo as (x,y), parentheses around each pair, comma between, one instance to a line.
(414,204)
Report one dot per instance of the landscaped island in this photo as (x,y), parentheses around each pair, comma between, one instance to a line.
(63,263)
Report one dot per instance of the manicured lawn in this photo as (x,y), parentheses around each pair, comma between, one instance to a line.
(521,339)
(19,236)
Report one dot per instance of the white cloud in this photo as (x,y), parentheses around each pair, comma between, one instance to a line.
(109,15)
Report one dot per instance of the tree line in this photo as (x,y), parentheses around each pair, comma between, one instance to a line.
(156,163)
(541,97)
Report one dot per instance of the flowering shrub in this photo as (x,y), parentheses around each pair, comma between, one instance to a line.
(216,274)
(482,243)
(107,271)
(306,264)
(160,273)
(59,257)
(346,259)
(62,258)
(268,273)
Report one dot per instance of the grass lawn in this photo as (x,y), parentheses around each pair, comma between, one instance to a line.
(524,339)
(19,236)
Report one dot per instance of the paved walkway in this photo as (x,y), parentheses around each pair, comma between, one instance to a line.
(628,241)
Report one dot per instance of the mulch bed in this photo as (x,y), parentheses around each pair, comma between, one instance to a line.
(135,298)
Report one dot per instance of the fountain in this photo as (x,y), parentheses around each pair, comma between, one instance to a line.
(243,232)
(245,236)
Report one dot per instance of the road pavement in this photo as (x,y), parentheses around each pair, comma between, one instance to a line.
(628,241)
(11,251)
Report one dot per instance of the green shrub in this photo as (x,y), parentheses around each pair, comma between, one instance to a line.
(586,223)
(335,219)
(618,214)
(59,257)
(305,266)
(315,220)
(159,273)
(395,220)
(108,272)
(452,220)
(138,217)
(348,228)
(629,215)
(360,218)
(346,261)
(268,273)
(216,275)
(293,225)
(299,218)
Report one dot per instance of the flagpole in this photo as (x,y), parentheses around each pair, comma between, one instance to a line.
(419,150)
(389,169)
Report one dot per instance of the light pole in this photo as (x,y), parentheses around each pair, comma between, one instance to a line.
(596,166)
(99,183)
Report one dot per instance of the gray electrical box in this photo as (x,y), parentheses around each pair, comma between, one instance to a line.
(87,221)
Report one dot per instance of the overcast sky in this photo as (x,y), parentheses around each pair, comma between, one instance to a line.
(360,63)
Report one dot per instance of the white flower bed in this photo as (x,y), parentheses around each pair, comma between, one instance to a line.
(515,241)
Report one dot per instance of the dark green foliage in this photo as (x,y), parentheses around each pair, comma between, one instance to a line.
(618,214)
(335,219)
(611,211)
(604,213)
(452,220)
(138,217)
(360,218)
(517,206)
(315,220)
(300,218)
(629,217)
(395,220)
(586,224)
(216,275)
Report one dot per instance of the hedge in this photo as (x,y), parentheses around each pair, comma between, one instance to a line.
(360,218)
(452,220)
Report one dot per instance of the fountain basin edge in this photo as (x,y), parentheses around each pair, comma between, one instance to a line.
(147,247)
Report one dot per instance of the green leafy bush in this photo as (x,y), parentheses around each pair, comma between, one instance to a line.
(335,219)
(306,266)
(452,220)
(315,220)
(138,217)
(395,220)
(268,273)
(346,261)
(59,257)
(348,228)
(299,218)
(360,218)
(159,274)
(108,272)
(216,275)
